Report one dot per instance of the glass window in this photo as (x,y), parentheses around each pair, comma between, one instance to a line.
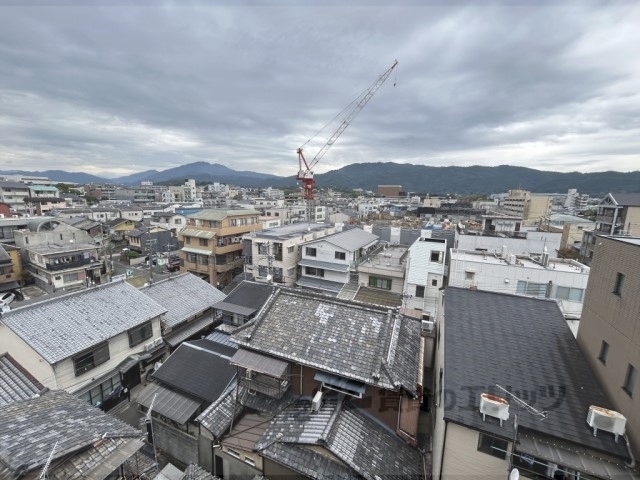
(70,277)
(187,240)
(317,272)
(604,352)
(434,282)
(532,289)
(263,271)
(617,289)
(310,251)
(340,255)
(469,275)
(140,333)
(419,291)
(263,249)
(290,249)
(191,257)
(204,242)
(569,293)
(383,283)
(436,257)
(630,380)
(91,358)
(203,260)
(493,446)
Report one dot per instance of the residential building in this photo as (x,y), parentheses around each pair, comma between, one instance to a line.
(341,384)
(135,194)
(43,191)
(8,227)
(562,280)
(58,436)
(381,277)
(151,240)
(327,262)
(243,303)
(193,377)
(14,194)
(132,213)
(10,268)
(609,332)
(425,275)
(212,243)
(99,214)
(189,303)
(389,190)
(118,227)
(16,383)
(88,343)
(508,368)
(530,207)
(170,221)
(501,225)
(46,205)
(619,214)
(528,242)
(275,252)
(291,214)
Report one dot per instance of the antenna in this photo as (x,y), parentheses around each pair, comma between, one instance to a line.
(43,473)
(149,419)
(522,403)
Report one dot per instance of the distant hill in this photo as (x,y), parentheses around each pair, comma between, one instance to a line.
(413,178)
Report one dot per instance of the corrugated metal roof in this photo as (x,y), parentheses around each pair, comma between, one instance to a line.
(320,284)
(174,338)
(63,326)
(338,267)
(221,214)
(199,251)
(194,232)
(259,363)
(168,403)
(230,307)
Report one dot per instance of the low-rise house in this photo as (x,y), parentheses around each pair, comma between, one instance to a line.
(382,277)
(151,240)
(243,303)
(57,436)
(88,343)
(118,227)
(425,275)
(513,391)
(328,262)
(189,302)
(10,268)
(273,254)
(560,279)
(14,193)
(193,377)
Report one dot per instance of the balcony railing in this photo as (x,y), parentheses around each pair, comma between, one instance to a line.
(258,382)
(54,267)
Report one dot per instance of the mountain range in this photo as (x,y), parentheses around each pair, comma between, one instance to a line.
(413,178)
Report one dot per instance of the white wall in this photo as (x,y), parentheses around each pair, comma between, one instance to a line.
(26,356)
(534,243)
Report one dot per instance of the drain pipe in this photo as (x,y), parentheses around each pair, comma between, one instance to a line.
(632,462)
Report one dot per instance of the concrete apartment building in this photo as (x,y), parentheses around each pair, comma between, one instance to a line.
(212,243)
(609,334)
(276,251)
(14,193)
(529,206)
(425,274)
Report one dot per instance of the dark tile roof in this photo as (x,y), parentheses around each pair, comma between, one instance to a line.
(197,370)
(627,199)
(194,472)
(375,296)
(16,383)
(251,295)
(367,343)
(308,462)
(524,345)
(30,428)
(217,417)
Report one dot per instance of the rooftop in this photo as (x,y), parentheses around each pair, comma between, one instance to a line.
(522,344)
(15,382)
(220,214)
(627,199)
(184,296)
(63,326)
(247,298)
(366,343)
(53,248)
(521,261)
(392,258)
(350,240)
(290,231)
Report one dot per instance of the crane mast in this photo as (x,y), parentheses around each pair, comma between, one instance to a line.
(305,172)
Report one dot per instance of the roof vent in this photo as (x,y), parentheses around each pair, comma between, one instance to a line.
(494,406)
(600,418)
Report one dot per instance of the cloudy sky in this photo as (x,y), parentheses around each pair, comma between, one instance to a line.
(113,90)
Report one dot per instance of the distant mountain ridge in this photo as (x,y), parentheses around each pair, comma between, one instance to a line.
(412,178)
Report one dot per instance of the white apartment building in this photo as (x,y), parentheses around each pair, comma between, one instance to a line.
(425,274)
(538,276)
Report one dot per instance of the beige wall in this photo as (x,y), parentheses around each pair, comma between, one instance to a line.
(463,460)
(615,320)
(631,216)
(25,356)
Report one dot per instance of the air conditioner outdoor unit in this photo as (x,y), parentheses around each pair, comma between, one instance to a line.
(600,418)
(428,325)
(157,341)
(316,402)
(149,346)
(494,406)
(248,374)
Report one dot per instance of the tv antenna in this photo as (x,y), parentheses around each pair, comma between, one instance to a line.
(521,403)
(43,472)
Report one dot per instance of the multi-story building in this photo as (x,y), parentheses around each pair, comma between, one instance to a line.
(43,191)
(541,276)
(290,214)
(212,243)
(529,206)
(425,274)
(274,253)
(609,333)
(14,194)
(10,268)
(136,194)
(382,277)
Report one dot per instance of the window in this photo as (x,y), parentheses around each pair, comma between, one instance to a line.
(310,251)
(263,271)
(203,260)
(316,272)
(263,249)
(249,461)
(380,283)
(290,249)
(139,334)
(469,275)
(617,289)
(340,256)
(187,240)
(604,351)
(177,221)
(436,257)
(233,453)
(91,358)
(493,446)
(434,282)
(529,288)
(71,277)
(569,293)
(419,291)
(96,395)
(204,242)
(191,257)
(630,380)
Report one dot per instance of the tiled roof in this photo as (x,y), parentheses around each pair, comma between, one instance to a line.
(367,343)
(194,472)
(247,431)
(197,371)
(63,326)
(375,296)
(349,240)
(30,428)
(15,382)
(217,417)
(522,344)
(308,462)
(184,296)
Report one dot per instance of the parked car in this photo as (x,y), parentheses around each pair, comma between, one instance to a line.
(7,298)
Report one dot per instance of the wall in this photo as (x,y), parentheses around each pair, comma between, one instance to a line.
(175,443)
(235,468)
(533,244)
(631,217)
(25,356)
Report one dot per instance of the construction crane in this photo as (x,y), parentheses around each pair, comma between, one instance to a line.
(305,170)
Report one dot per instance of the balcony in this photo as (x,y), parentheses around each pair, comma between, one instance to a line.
(258,382)
(58,265)
(225,267)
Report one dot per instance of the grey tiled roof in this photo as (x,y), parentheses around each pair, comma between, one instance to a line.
(184,296)
(65,325)
(524,345)
(308,462)
(30,428)
(370,449)
(220,214)
(361,342)
(15,382)
(194,472)
(218,416)
(349,240)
